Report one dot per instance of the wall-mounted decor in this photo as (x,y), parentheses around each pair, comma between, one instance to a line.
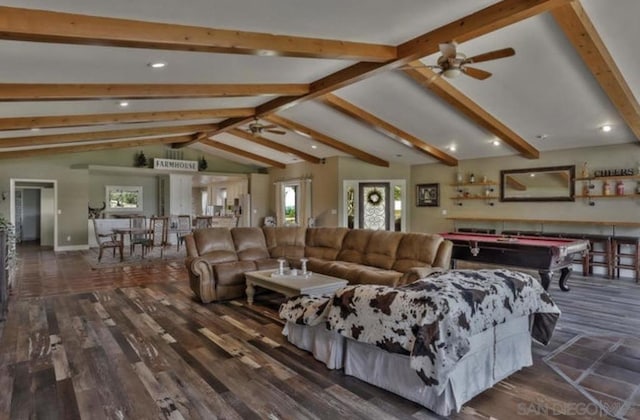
(428,195)
(123,198)
(554,183)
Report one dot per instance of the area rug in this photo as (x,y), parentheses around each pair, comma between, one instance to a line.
(170,254)
(605,369)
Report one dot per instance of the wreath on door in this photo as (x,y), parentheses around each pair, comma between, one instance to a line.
(374,197)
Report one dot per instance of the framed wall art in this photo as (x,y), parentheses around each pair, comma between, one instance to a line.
(428,195)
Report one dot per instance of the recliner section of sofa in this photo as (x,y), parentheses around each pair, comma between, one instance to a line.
(217,258)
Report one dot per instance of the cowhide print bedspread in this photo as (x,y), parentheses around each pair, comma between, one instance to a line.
(431,319)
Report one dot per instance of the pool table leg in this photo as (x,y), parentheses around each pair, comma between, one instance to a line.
(545,278)
(564,276)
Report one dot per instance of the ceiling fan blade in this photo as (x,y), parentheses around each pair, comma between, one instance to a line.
(448,49)
(409,67)
(276,131)
(491,55)
(475,73)
(268,126)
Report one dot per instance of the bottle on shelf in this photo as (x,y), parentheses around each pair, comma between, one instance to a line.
(638,188)
(585,171)
(472,178)
(606,188)
(459,178)
(620,188)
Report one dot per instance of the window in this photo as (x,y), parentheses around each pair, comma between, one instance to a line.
(123,198)
(291,204)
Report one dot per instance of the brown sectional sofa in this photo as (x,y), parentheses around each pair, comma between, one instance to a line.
(217,258)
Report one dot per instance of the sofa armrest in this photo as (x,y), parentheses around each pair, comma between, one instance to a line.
(201,278)
(443,257)
(417,273)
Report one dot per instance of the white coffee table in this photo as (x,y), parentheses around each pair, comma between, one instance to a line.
(314,284)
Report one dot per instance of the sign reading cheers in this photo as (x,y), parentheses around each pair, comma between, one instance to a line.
(173,164)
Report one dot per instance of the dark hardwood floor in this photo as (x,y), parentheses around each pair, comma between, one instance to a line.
(132,343)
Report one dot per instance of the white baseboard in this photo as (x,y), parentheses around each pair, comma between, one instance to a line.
(72,248)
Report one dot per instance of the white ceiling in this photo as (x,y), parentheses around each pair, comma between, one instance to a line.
(544,89)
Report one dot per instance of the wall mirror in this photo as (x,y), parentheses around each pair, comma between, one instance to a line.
(554,183)
(123,198)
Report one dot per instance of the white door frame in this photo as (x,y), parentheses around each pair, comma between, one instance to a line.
(12,207)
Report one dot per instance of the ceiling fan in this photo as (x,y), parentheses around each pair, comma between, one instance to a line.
(256,128)
(451,63)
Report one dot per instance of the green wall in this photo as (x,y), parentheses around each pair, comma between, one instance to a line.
(79,187)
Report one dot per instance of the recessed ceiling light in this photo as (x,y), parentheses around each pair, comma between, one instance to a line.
(398,155)
(542,136)
(496,143)
(453,148)
(606,128)
(313,146)
(157,65)
(123,104)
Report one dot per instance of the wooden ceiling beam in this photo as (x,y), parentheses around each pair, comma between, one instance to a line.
(56,27)
(240,152)
(60,91)
(329,141)
(474,25)
(50,139)
(25,123)
(580,31)
(438,85)
(274,145)
(389,130)
(29,153)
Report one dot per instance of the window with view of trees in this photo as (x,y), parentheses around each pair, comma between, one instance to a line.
(291,204)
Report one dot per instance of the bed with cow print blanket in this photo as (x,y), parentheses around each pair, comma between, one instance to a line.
(432,319)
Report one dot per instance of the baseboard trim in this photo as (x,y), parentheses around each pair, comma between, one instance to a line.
(72,248)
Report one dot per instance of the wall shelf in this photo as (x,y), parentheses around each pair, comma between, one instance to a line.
(605,178)
(475,184)
(636,196)
(486,187)
(476,197)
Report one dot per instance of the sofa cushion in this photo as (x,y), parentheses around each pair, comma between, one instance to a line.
(416,250)
(250,244)
(285,242)
(324,243)
(215,245)
(370,275)
(354,246)
(381,249)
(232,273)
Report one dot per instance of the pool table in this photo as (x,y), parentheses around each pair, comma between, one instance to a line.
(533,252)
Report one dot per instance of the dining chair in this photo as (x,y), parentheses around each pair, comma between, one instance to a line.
(203,222)
(156,237)
(106,240)
(137,233)
(183,228)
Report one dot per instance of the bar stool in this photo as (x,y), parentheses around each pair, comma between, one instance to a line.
(631,258)
(600,254)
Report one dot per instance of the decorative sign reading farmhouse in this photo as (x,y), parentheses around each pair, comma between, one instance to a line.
(176,165)
(613,172)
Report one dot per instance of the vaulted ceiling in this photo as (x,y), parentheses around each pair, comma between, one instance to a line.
(338,77)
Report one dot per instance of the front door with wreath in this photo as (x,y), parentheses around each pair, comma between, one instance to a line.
(374,205)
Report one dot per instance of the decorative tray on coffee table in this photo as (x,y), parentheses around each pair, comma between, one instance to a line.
(291,274)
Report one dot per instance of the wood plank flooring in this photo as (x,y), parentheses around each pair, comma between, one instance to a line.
(132,343)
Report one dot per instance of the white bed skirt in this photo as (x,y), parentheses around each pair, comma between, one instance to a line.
(494,355)
(326,346)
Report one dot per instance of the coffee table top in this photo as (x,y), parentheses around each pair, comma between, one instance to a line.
(298,282)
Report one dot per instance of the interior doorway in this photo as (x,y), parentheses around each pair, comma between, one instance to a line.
(33,211)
